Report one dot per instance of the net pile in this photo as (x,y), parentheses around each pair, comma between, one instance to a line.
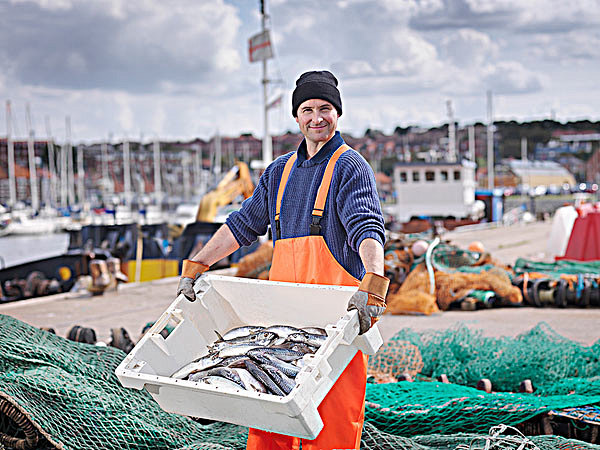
(60,394)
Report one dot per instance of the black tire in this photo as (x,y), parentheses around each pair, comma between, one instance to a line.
(82,334)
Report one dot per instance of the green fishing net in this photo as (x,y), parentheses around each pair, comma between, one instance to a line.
(59,394)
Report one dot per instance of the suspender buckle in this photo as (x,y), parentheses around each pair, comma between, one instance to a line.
(315,226)
(278,229)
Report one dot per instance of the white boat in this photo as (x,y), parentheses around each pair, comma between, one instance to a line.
(24,224)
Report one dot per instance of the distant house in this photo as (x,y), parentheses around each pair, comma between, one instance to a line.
(512,173)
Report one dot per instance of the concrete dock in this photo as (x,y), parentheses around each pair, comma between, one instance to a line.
(136,304)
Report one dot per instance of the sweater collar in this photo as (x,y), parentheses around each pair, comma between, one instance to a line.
(322,155)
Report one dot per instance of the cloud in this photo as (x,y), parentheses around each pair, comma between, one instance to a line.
(511,77)
(129,45)
(468,48)
(462,14)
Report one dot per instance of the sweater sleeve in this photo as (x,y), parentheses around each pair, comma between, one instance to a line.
(357,201)
(252,219)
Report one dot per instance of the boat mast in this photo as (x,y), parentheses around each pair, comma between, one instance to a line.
(267,147)
(157,178)
(35,200)
(490,142)
(12,179)
(80,176)
(70,168)
(51,164)
(126,172)
(451,132)
(472,143)
(64,176)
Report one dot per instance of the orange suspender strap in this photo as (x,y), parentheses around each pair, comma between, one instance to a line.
(317,213)
(282,183)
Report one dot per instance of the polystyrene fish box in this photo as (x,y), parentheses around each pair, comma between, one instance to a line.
(224,303)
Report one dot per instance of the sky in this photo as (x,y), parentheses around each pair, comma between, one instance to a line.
(178,70)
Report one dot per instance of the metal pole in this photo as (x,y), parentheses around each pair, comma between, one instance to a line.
(523,149)
(451,133)
(218,153)
(64,176)
(51,164)
(126,172)
(157,178)
(80,176)
(490,141)
(472,143)
(267,147)
(35,200)
(186,176)
(70,169)
(12,178)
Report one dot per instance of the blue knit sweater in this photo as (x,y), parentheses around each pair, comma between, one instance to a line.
(352,211)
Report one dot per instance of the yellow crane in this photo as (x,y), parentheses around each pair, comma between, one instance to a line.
(236,182)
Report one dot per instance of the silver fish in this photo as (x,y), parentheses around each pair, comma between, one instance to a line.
(284,354)
(285,383)
(260,338)
(315,330)
(251,383)
(237,350)
(283,330)
(316,340)
(200,364)
(234,361)
(228,373)
(265,379)
(287,368)
(220,382)
(239,332)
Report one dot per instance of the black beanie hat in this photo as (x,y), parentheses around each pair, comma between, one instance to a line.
(318,84)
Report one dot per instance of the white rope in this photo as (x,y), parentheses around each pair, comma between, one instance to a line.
(497,441)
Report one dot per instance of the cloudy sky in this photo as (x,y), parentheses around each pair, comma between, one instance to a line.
(179,69)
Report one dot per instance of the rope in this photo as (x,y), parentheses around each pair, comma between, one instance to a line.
(497,441)
(429,264)
(23,424)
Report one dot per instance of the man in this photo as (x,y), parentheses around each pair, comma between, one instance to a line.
(322,205)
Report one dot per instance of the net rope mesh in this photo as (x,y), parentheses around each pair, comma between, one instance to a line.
(68,394)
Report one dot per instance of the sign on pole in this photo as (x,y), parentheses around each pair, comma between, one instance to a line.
(259,47)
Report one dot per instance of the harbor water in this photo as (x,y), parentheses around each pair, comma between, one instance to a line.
(16,250)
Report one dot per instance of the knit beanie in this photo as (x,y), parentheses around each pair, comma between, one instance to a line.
(317,84)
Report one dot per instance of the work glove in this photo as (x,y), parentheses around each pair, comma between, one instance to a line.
(190,271)
(369,300)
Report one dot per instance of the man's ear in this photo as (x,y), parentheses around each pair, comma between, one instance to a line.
(297,120)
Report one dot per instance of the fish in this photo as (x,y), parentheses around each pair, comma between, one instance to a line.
(314,340)
(285,383)
(228,373)
(234,361)
(203,363)
(314,330)
(260,338)
(251,383)
(220,382)
(287,368)
(283,330)
(239,332)
(237,350)
(283,354)
(265,379)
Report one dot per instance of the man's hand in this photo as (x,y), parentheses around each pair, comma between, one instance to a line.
(190,272)
(369,300)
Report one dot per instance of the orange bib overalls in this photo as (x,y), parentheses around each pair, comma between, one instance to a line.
(309,260)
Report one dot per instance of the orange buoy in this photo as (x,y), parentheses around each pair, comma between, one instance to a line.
(476,246)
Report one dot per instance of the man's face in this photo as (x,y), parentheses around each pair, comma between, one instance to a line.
(317,120)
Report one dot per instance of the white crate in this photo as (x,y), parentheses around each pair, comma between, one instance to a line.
(224,303)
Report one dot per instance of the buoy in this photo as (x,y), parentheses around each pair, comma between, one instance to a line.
(419,247)
(405,377)
(476,247)
(526,386)
(484,385)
